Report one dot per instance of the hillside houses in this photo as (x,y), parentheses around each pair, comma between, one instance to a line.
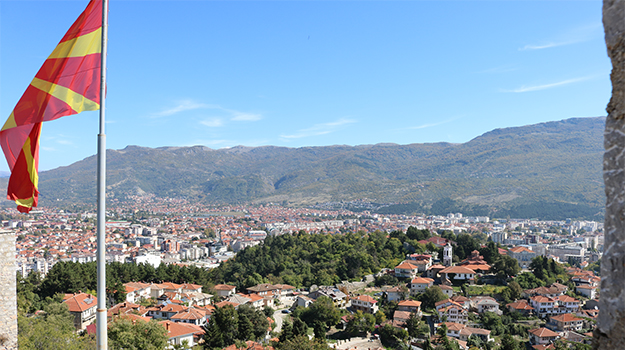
(462,332)
(418,285)
(406,270)
(546,306)
(178,304)
(365,304)
(83,307)
(337,296)
(422,261)
(542,336)
(522,255)
(458,273)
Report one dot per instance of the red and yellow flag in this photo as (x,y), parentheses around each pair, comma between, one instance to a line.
(67,83)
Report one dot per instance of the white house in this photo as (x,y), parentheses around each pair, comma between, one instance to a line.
(365,303)
(420,284)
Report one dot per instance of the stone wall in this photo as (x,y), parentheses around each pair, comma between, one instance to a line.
(8,298)
(610,333)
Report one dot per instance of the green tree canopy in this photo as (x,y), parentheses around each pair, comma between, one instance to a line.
(322,311)
(123,334)
(51,330)
(431,296)
(360,323)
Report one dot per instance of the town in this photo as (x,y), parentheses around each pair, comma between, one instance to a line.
(451,282)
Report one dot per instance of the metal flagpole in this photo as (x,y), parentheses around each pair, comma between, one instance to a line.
(102,340)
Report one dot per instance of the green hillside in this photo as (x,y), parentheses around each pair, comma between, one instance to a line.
(553,167)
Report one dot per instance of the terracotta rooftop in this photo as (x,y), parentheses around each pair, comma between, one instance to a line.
(406,266)
(566,318)
(457,269)
(409,303)
(224,287)
(80,302)
(178,329)
(543,332)
(366,298)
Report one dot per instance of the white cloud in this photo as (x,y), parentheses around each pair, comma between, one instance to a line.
(320,129)
(65,142)
(573,36)
(249,117)
(424,126)
(213,122)
(186,105)
(547,86)
(429,125)
(189,105)
(547,45)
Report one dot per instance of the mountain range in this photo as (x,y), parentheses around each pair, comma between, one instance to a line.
(550,170)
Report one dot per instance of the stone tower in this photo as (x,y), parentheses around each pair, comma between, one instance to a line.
(8,297)
(610,332)
(447,254)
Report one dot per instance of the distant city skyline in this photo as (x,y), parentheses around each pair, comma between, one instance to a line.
(316,73)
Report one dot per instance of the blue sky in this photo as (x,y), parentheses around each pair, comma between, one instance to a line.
(315,73)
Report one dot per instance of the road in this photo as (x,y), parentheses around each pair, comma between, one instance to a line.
(278,316)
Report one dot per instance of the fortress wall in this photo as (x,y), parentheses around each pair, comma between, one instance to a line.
(8,297)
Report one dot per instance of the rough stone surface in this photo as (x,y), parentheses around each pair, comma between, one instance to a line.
(8,298)
(610,333)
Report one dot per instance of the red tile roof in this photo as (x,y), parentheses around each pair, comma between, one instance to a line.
(543,332)
(366,298)
(80,302)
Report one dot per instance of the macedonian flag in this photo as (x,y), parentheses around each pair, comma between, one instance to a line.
(67,83)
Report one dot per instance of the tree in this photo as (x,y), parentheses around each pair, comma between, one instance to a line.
(302,343)
(246,328)
(209,233)
(505,266)
(490,252)
(475,341)
(51,330)
(428,345)
(222,329)
(360,323)
(528,281)
(287,331)
(123,333)
(546,269)
(508,343)
(385,280)
(447,344)
(392,336)
(431,296)
(299,327)
(320,330)
(257,320)
(465,244)
(515,290)
(431,247)
(380,317)
(412,325)
(322,311)
(268,311)
(493,322)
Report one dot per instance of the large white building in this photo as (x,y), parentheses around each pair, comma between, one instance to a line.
(153,260)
